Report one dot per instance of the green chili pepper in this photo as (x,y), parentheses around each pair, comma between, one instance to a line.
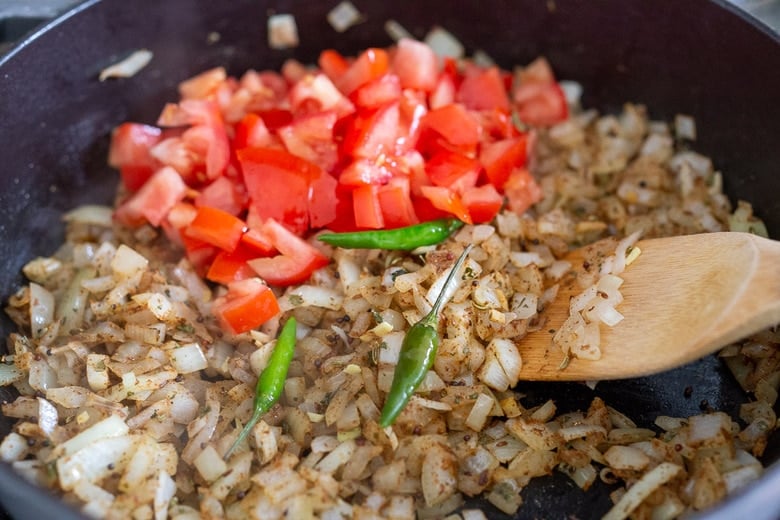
(271,381)
(406,238)
(418,351)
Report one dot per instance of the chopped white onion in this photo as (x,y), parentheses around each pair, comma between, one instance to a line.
(444,43)
(343,16)
(129,66)
(396,31)
(282,31)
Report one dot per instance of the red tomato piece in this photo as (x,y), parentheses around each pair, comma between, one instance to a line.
(206,115)
(371,64)
(221,194)
(426,211)
(443,93)
(333,64)
(275,118)
(230,267)
(248,304)
(416,65)
(411,111)
(311,138)
(483,89)
(154,200)
(368,211)
(217,228)
(455,124)
(453,170)
(446,200)
(199,253)
(254,240)
(372,133)
(129,152)
(203,85)
(521,191)
(378,92)
(396,203)
(321,90)
(251,131)
(293,71)
(362,172)
(278,185)
(541,104)
(501,157)
(298,258)
(482,203)
(538,71)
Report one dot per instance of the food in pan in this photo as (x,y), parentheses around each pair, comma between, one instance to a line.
(319,212)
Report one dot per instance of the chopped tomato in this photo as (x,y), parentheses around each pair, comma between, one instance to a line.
(323,200)
(446,200)
(453,170)
(455,124)
(221,194)
(521,191)
(411,110)
(278,185)
(372,132)
(483,89)
(482,202)
(203,85)
(396,204)
(443,93)
(416,65)
(541,104)
(251,131)
(368,211)
(364,171)
(321,90)
(501,157)
(248,304)
(371,64)
(257,242)
(199,253)
(217,228)
(298,258)
(207,121)
(229,267)
(538,71)
(275,118)
(332,64)
(378,92)
(130,153)
(154,200)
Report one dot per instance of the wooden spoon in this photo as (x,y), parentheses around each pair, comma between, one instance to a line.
(684,297)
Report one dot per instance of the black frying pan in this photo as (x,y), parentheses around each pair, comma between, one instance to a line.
(698,57)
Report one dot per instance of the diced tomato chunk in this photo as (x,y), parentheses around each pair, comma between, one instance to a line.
(482,203)
(248,304)
(446,200)
(298,258)
(332,64)
(453,170)
(320,89)
(541,104)
(443,93)
(129,152)
(364,171)
(455,124)
(371,64)
(203,85)
(221,194)
(229,267)
(372,133)
(255,241)
(217,228)
(199,253)
(251,131)
(416,65)
(396,204)
(378,92)
(154,200)
(368,211)
(483,89)
(311,138)
(521,191)
(275,118)
(501,157)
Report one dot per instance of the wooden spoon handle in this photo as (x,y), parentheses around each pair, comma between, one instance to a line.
(684,298)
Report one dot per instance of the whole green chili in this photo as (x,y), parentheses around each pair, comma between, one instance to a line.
(418,351)
(271,381)
(405,238)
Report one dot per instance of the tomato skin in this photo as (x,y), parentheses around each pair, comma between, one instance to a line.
(416,65)
(298,258)
(482,202)
(501,157)
(323,201)
(368,211)
(216,227)
(362,172)
(251,131)
(311,137)
(447,200)
(154,200)
(483,89)
(278,185)
(521,191)
(248,304)
(455,124)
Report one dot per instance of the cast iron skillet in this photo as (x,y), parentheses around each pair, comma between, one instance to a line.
(698,57)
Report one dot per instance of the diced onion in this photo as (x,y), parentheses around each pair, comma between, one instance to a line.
(128,67)
(282,31)
(343,16)
(443,43)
